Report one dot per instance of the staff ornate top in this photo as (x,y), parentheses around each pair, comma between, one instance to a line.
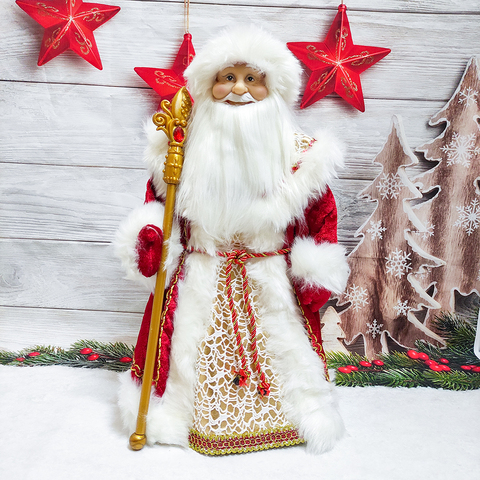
(173,121)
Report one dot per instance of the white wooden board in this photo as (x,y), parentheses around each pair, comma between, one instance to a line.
(428,55)
(71,140)
(26,327)
(75,275)
(68,203)
(405,6)
(103,126)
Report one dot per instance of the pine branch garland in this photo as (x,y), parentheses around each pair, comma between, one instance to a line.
(461,366)
(454,367)
(82,354)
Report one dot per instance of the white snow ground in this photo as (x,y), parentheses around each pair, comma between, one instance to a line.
(62,423)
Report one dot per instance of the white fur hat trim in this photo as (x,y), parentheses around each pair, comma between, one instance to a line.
(250,45)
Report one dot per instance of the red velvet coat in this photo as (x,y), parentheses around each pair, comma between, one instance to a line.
(319,223)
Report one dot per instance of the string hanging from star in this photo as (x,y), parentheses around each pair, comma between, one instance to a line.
(335,64)
(167,81)
(69,24)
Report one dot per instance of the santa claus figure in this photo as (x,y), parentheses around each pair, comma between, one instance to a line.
(252,257)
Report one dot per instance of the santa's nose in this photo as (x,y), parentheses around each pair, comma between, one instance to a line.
(239,88)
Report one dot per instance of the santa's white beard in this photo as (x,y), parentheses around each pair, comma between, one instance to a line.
(234,156)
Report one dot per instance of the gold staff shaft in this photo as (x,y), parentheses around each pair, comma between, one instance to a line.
(172,121)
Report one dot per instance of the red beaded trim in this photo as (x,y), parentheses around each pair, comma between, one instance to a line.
(316,346)
(168,299)
(136,369)
(247,442)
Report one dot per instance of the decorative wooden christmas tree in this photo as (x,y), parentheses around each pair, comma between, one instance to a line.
(332,333)
(382,292)
(453,215)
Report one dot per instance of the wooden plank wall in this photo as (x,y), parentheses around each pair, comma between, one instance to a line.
(71,139)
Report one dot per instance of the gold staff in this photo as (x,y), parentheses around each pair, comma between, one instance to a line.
(173,122)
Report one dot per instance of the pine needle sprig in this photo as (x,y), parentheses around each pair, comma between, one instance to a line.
(453,380)
(360,379)
(459,357)
(398,360)
(432,351)
(458,331)
(113,350)
(401,377)
(339,359)
(7,357)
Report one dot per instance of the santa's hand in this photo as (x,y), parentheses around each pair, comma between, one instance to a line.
(314,297)
(149,249)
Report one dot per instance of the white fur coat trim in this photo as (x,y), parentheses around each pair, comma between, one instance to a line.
(319,265)
(154,156)
(323,158)
(170,418)
(308,399)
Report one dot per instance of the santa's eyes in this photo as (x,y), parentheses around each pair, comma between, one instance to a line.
(231,78)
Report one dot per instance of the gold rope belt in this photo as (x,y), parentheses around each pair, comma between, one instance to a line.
(238,257)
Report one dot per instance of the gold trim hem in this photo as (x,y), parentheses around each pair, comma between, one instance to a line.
(247,442)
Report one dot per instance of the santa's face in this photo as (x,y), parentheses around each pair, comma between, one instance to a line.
(239,84)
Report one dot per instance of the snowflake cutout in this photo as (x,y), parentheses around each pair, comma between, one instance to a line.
(469,217)
(461,149)
(402,308)
(374,329)
(390,185)
(426,232)
(397,263)
(358,296)
(468,96)
(376,230)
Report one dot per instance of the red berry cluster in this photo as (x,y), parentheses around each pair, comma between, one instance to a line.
(441,364)
(92,356)
(31,355)
(363,363)
(472,368)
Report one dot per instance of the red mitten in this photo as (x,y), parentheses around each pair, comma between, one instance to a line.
(315,297)
(149,249)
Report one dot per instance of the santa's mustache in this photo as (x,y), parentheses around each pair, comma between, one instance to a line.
(233,97)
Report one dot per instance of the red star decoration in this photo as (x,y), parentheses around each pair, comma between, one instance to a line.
(167,82)
(68,24)
(335,64)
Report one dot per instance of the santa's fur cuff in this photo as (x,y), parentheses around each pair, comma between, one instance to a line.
(126,239)
(319,265)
